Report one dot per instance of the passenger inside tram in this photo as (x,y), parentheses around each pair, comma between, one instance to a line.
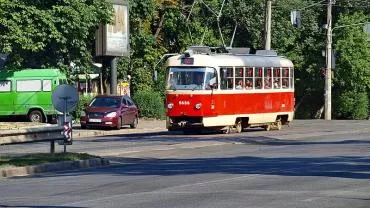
(258,83)
(248,84)
(285,83)
(268,82)
(239,85)
(277,83)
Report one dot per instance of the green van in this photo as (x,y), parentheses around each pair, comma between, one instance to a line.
(29,92)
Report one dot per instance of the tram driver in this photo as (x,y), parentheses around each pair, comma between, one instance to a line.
(198,80)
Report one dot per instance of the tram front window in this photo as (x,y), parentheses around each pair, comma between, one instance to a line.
(191,78)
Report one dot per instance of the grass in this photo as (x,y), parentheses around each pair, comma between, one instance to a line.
(42,158)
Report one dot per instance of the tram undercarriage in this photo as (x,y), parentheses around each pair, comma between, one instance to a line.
(195,124)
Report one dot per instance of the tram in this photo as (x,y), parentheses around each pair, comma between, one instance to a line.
(229,90)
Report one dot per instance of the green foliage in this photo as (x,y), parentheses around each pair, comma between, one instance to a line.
(352,71)
(353,66)
(351,105)
(84,100)
(55,33)
(45,34)
(150,103)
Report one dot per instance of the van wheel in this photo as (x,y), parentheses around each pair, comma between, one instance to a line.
(36,116)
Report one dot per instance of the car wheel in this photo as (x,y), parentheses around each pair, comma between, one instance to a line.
(119,123)
(134,123)
(83,126)
(36,116)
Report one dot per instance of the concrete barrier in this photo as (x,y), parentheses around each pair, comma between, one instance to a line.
(57,166)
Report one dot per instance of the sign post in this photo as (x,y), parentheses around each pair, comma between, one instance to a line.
(65,99)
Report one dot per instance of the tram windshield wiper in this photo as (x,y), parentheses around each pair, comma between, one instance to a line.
(199,87)
(172,87)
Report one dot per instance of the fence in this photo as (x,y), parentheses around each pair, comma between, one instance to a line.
(36,134)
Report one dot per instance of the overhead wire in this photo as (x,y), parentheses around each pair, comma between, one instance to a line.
(216,14)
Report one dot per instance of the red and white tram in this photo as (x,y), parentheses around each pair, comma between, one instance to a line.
(232,90)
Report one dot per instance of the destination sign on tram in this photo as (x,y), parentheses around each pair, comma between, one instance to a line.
(187,61)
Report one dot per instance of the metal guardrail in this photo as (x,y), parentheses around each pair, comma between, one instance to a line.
(36,134)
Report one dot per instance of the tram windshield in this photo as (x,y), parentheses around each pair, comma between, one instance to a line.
(191,78)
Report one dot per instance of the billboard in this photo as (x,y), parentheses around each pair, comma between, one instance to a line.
(113,39)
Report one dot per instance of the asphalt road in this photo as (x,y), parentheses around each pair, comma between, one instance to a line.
(312,163)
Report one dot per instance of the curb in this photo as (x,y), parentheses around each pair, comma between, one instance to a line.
(97,133)
(51,167)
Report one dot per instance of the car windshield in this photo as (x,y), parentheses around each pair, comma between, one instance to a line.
(110,102)
(181,78)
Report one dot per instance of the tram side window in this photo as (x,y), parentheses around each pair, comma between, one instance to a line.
(249,78)
(258,78)
(285,78)
(230,78)
(239,80)
(291,77)
(267,81)
(224,77)
(277,78)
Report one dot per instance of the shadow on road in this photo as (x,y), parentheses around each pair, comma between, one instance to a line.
(340,167)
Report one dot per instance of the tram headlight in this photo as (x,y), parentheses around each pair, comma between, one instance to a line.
(198,106)
(170,105)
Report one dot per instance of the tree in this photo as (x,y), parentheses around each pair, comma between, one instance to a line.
(352,74)
(50,33)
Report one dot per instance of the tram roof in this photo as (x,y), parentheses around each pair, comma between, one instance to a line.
(252,60)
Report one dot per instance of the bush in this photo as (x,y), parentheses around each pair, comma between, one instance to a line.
(352,105)
(84,100)
(151,104)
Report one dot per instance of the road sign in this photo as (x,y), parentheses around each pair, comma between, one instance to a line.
(65,98)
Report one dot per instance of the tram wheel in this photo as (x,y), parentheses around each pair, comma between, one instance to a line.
(227,130)
(267,127)
(239,127)
(278,125)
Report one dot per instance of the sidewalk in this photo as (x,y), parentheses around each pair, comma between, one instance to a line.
(144,126)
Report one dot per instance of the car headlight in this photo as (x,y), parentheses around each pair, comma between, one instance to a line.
(111,114)
(170,105)
(198,106)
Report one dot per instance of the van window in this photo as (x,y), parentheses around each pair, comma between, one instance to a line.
(62,81)
(28,85)
(46,85)
(5,85)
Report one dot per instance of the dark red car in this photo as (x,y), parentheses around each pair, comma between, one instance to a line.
(110,111)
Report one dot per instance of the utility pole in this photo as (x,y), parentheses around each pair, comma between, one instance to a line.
(267,34)
(328,64)
(113,76)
